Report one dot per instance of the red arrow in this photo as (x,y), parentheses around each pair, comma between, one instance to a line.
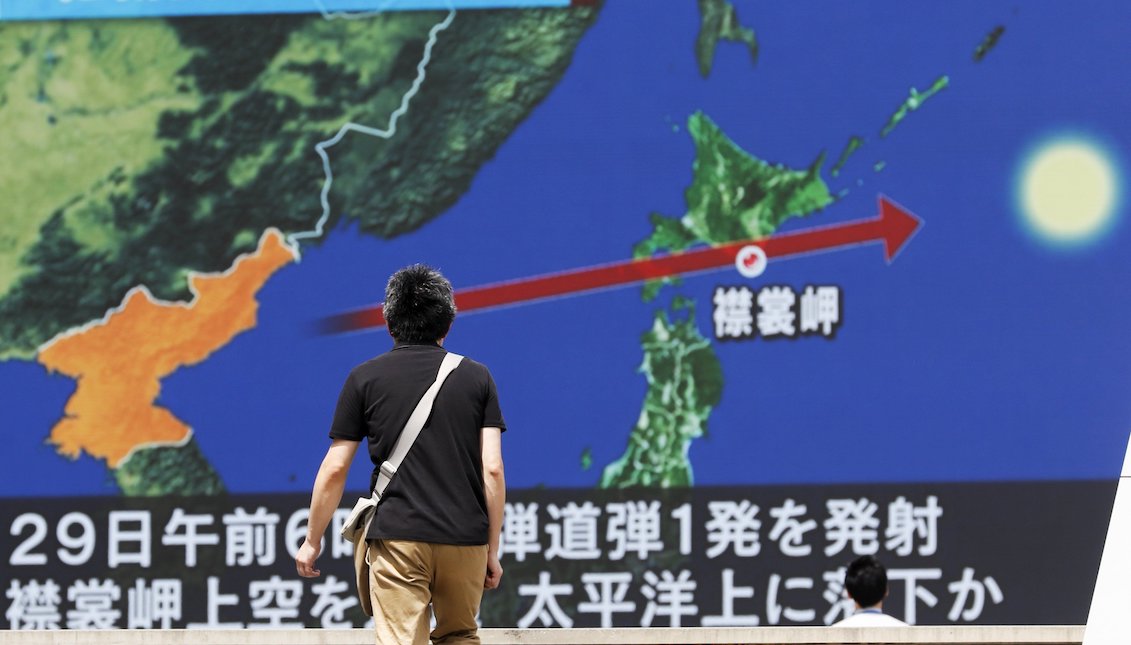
(893,227)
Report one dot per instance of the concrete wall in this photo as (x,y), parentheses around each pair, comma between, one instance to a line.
(998,635)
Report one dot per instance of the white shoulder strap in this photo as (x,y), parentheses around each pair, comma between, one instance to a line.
(415,424)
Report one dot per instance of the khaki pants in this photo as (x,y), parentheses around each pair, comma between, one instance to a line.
(405,576)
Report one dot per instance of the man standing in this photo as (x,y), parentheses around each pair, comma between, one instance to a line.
(435,538)
(866,582)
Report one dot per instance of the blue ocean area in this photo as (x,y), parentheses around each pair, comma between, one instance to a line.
(33,405)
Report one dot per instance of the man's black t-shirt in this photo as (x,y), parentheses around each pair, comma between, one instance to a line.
(437,495)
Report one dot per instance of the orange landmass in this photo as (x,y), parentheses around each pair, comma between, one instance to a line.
(119,361)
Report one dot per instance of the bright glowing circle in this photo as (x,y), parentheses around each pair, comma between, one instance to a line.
(1068,191)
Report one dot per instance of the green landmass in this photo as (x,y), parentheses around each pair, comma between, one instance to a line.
(988,43)
(168,470)
(913,102)
(734,195)
(685,381)
(854,143)
(138,151)
(586,458)
(79,106)
(719,21)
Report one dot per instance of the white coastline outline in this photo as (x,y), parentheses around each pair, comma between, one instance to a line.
(148,295)
(389,132)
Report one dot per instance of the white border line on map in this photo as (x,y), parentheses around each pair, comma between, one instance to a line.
(322,147)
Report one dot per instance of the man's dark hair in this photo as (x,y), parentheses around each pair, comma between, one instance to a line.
(419,305)
(866,581)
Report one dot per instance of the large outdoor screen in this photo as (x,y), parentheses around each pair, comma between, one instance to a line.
(764,286)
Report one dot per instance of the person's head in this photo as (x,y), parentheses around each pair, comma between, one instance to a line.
(419,305)
(866,581)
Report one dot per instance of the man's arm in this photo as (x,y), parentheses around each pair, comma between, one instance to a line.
(328,487)
(495,489)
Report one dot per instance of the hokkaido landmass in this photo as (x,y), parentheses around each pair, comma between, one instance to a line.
(733,196)
(141,151)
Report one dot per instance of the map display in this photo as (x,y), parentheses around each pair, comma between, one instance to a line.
(762,285)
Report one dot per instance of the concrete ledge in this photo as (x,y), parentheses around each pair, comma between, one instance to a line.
(928,635)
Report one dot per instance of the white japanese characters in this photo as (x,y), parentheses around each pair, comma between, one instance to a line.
(734,312)
(34,605)
(852,521)
(634,527)
(631,560)
(606,592)
(155,604)
(733,525)
(906,522)
(545,607)
(776,311)
(573,535)
(789,530)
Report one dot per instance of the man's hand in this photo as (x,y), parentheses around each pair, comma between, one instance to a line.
(495,490)
(307,554)
(328,486)
(494,572)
